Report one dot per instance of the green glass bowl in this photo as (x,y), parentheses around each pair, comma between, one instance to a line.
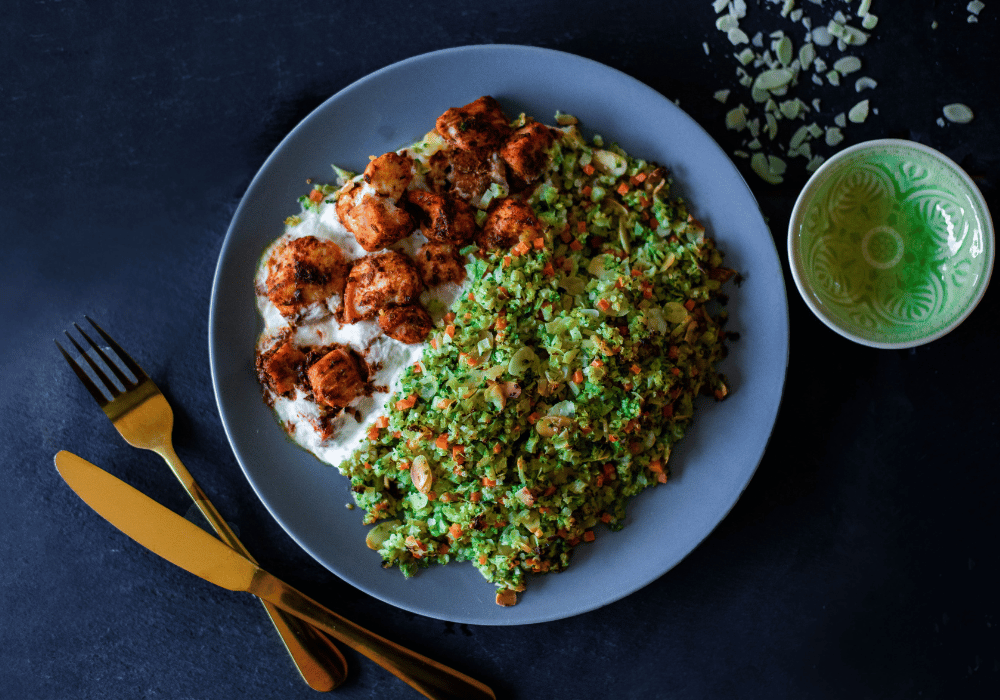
(891,244)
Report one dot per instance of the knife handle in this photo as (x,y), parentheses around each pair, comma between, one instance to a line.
(321,664)
(432,679)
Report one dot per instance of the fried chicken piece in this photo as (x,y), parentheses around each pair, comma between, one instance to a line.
(372,211)
(376,221)
(407,324)
(379,281)
(466,174)
(389,175)
(280,367)
(445,218)
(526,151)
(336,379)
(507,223)
(303,271)
(480,125)
(439,263)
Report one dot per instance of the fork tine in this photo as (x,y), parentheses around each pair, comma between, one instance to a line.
(132,365)
(126,382)
(94,390)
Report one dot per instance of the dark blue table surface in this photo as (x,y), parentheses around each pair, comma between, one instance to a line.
(861,562)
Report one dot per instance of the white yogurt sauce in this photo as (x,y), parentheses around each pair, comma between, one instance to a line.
(298,414)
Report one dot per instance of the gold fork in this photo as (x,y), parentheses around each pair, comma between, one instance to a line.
(142,415)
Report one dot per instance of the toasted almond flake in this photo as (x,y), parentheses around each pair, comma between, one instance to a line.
(975,7)
(821,36)
(721,95)
(864,7)
(745,56)
(864,83)
(940,121)
(814,163)
(704,46)
(819,65)
(833,136)
(726,22)
(773,79)
(807,54)
(737,36)
(736,118)
(800,135)
(847,64)
(796,15)
(833,77)
(840,120)
(815,130)
(804,150)
(869,21)
(859,112)
(720,5)
(760,165)
(784,50)
(958,113)
(772,126)
(791,109)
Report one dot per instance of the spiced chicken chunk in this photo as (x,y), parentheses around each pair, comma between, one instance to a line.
(372,212)
(480,125)
(303,271)
(443,217)
(467,174)
(380,281)
(439,263)
(281,367)
(336,378)
(526,151)
(507,223)
(389,175)
(407,324)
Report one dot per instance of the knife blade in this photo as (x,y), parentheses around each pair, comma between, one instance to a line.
(185,544)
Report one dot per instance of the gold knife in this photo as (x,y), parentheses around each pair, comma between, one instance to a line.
(188,546)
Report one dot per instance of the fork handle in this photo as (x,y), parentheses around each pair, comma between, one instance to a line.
(320,662)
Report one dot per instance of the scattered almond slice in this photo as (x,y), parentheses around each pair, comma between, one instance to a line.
(958,113)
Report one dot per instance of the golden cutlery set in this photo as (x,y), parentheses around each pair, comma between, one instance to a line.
(142,415)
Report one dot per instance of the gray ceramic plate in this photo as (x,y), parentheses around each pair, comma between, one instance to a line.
(715,461)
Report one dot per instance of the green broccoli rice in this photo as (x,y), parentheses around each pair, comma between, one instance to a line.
(558,384)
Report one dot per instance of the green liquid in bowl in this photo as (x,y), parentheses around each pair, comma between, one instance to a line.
(892,244)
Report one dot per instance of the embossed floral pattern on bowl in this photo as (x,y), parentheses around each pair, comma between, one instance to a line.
(891,244)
